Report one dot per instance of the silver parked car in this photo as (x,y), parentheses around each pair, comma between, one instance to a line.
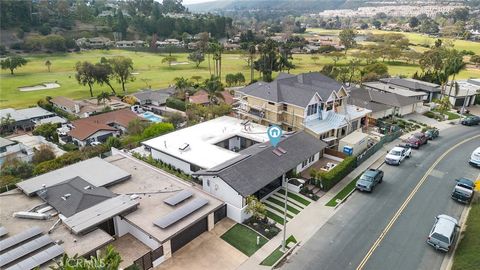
(442,236)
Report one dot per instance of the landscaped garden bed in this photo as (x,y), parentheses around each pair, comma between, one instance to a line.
(277,253)
(265,228)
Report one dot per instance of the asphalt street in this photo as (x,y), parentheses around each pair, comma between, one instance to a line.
(344,241)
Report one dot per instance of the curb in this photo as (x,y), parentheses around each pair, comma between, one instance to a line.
(285,255)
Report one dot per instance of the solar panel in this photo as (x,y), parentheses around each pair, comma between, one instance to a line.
(180,213)
(18,238)
(178,198)
(39,258)
(3,231)
(24,249)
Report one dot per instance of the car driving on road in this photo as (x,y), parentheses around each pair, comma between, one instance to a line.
(416,140)
(397,155)
(369,179)
(443,233)
(463,190)
(471,120)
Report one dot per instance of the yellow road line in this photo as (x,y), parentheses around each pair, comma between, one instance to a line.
(406,202)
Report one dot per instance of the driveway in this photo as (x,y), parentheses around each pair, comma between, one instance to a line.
(208,251)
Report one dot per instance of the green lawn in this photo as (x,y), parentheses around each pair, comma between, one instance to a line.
(275,217)
(277,253)
(467,255)
(296,197)
(244,239)
(343,193)
(150,72)
(277,209)
(282,204)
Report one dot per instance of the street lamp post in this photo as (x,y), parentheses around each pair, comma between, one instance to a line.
(284,243)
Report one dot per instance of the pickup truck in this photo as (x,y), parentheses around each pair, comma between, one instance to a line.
(416,140)
(397,155)
(463,190)
(369,179)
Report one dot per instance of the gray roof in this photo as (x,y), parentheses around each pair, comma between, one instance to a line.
(159,95)
(82,195)
(35,112)
(6,142)
(95,171)
(4,113)
(413,84)
(297,90)
(97,214)
(378,99)
(261,165)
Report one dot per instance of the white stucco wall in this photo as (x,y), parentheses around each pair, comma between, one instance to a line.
(177,163)
(122,227)
(315,100)
(299,168)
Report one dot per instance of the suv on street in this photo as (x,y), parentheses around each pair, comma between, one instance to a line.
(463,190)
(397,155)
(471,120)
(369,179)
(432,133)
(443,233)
(416,140)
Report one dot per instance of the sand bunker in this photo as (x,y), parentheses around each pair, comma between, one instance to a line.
(180,63)
(42,86)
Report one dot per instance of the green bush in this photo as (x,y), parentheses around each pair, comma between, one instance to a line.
(335,175)
(430,114)
(176,104)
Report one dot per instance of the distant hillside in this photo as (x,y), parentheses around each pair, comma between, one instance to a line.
(294,5)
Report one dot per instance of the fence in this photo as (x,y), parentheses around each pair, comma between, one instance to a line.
(372,150)
(146,261)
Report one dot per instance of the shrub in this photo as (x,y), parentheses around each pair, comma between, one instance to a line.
(69,147)
(176,104)
(335,175)
(45,153)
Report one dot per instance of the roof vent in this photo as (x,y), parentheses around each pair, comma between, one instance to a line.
(281,150)
(184,147)
(65,197)
(87,187)
(277,152)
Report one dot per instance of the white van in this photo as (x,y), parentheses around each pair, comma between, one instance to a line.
(475,158)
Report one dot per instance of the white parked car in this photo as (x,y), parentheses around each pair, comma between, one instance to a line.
(475,158)
(443,233)
(397,155)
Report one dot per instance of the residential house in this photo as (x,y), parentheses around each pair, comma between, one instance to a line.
(99,127)
(9,148)
(310,101)
(154,97)
(81,208)
(431,89)
(130,44)
(382,103)
(419,96)
(86,107)
(466,94)
(95,42)
(201,97)
(25,119)
(260,170)
(170,42)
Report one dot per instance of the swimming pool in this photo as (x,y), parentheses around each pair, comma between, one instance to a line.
(152,117)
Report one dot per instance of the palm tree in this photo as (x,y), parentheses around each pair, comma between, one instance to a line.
(181,85)
(454,64)
(252,50)
(103,97)
(214,88)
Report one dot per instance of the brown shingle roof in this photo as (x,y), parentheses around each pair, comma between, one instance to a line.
(201,97)
(87,126)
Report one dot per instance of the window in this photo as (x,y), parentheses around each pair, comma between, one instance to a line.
(285,107)
(329,106)
(194,168)
(312,109)
(271,103)
(339,102)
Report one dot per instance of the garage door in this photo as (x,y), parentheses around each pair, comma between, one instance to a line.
(189,234)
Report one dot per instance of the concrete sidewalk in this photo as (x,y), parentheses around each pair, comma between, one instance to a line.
(314,216)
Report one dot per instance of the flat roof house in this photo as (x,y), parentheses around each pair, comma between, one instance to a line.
(431,89)
(83,207)
(154,97)
(310,101)
(99,127)
(467,92)
(260,170)
(86,107)
(206,144)
(9,148)
(25,119)
(383,103)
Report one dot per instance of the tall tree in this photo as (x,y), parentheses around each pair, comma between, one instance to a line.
(454,64)
(268,61)
(103,97)
(347,38)
(197,57)
(122,69)
(104,74)
(252,50)
(214,88)
(169,59)
(13,62)
(86,74)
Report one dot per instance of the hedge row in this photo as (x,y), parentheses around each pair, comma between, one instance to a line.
(326,180)
(176,104)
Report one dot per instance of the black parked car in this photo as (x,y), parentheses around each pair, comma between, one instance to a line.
(471,120)
(432,133)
